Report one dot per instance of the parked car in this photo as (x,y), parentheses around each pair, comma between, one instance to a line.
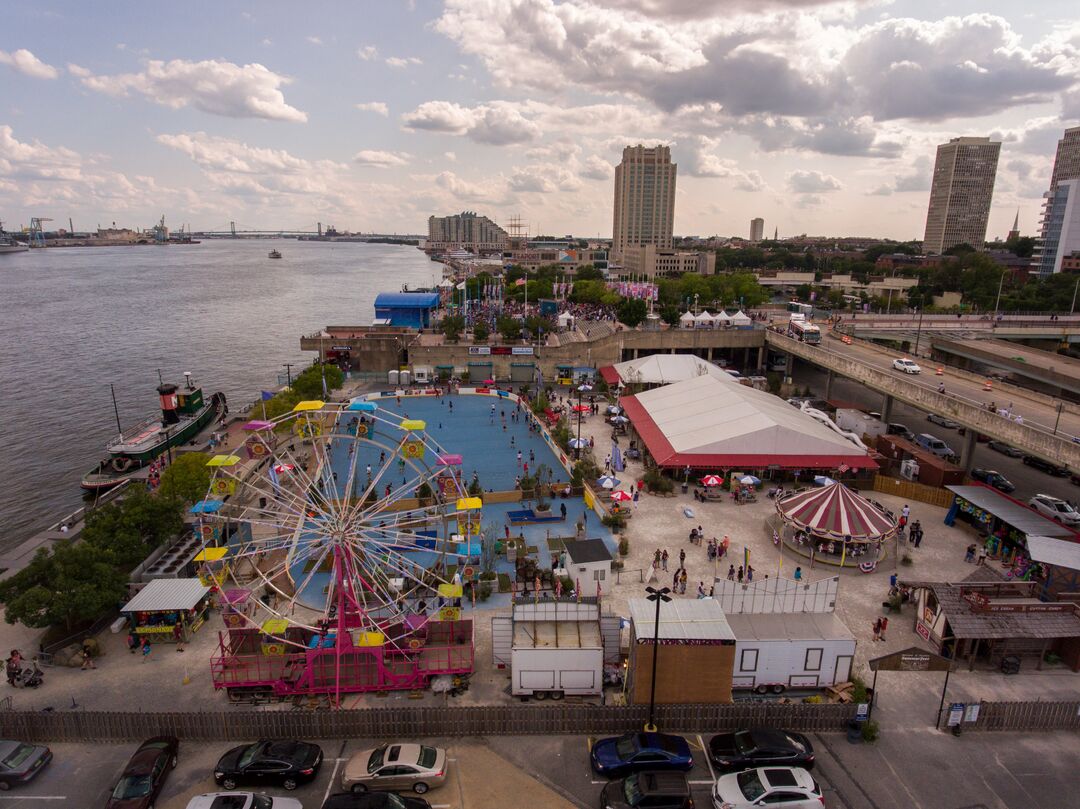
(760,747)
(20,762)
(620,755)
(981,438)
(1055,509)
(652,789)
(948,424)
(374,800)
(907,366)
(145,774)
(786,787)
(241,800)
(1005,449)
(1046,466)
(895,428)
(286,764)
(396,766)
(992,478)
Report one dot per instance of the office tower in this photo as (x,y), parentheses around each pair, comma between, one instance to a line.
(1059,231)
(757,229)
(644,199)
(960,196)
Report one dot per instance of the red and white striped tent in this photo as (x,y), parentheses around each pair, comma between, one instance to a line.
(836,512)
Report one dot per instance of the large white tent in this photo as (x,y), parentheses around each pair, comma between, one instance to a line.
(663,369)
(686,320)
(710,423)
(740,319)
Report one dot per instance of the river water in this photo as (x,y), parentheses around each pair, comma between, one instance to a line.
(73,320)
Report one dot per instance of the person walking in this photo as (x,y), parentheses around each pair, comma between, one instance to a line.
(749,573)
(133,639)
(877,629)
(146,649)
(562,510)
(87,659)
(798,574)
(969,556)
(884,626)
(982,556)
(905,512)
(731,573)
(682,557)
(178,635)
(682,582)
(739,575)
(664,558)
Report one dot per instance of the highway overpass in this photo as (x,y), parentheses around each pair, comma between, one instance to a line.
(1063,328)
(1055,372)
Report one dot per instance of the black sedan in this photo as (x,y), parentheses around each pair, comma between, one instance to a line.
(374,800)
(760,747)
(1006,449)
(145,774)
(287,764)
(1046,466)
(992,478)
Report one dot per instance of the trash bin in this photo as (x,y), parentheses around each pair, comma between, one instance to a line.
(854,732)
(1010,664)
(685,488)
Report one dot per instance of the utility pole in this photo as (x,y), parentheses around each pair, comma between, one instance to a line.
(288,371)
(1072,309)
(997,302)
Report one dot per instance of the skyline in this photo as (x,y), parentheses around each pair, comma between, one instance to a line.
(373,116)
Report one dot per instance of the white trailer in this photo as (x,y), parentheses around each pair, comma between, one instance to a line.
(777,651)
(859,422)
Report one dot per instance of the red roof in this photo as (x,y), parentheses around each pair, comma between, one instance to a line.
(610,375)
(836,511)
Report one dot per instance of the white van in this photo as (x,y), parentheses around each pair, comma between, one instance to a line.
(934,444)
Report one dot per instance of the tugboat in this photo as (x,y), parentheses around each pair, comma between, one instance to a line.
(275,254)
(8,243)
(183,415)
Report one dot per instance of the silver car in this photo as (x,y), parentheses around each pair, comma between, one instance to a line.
(906,365)
(1055,509)
(241,800)
(396,766)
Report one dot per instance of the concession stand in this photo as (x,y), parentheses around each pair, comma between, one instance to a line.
(156,608)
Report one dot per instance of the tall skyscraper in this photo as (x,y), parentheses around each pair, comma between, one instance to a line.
(467,231)
(757,229)
(1059,231)
(960,195)
(644,199)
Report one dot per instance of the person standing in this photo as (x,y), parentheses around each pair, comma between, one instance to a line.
(905,512)
(701,589)
(656,559)
(739,575)
(798,574)
(682,557)
(731,573)
(982,555)
(749,573)
(877,629)
(664,558)
(146,649)
(178,635)
(884,626)
(87,659)
(682,582)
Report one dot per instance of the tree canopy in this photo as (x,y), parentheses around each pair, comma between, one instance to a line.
(187,478)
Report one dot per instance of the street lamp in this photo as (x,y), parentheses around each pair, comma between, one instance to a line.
(918,332)
(656,596)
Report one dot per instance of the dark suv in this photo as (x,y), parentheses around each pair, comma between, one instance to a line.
(651,788)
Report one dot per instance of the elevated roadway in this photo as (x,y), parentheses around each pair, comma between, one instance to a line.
(1063,328)
(1055,371)
(1048,424)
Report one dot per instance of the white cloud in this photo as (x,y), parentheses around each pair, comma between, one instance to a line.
(497,123)
(378,107)
(379,159)
(451,156)
(314,40)
(367,53)
(23,61)
(596,168)
(812,182)
(399,61)
(215,87)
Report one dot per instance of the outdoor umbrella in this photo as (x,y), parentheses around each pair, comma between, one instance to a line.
(489,381)
(619,420)
(749,480)
(584,387)
(823,480)
(621,496)
(613,410)
(712,480)
(578,443)
(608,482)
(582,408)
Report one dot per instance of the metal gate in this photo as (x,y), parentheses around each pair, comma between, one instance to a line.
(479,371)
(522,372)
(611,631)
(502,641)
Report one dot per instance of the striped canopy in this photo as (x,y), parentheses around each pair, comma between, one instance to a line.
(836,512)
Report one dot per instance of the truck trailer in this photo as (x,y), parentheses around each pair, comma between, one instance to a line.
(778,651)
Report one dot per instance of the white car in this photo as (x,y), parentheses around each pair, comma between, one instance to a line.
(241,800)
(906,365)
(784,787)
(1055,509)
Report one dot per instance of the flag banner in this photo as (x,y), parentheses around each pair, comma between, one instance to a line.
(267,395)
(519,282)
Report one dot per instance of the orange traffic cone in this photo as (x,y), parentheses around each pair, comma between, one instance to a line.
(940,371)
(989,385)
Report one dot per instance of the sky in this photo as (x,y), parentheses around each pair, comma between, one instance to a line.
(820,117)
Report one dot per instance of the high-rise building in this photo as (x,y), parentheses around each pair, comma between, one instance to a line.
(960,195)
(757,229)
(644,199)
(465,231)
(1059,230)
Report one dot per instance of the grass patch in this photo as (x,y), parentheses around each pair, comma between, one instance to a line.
(504,582)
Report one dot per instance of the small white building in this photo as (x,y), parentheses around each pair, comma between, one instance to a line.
(588,560)
(777,651)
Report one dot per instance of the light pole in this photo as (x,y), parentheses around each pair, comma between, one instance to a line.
(288,371)
(997,301)
(918,333)
(1072,309)
(656,596)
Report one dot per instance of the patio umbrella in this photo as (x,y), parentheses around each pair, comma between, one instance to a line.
(582,408)
(712,480)
(620,420)
(584,387)
(489,381)
(823,480)
(749,480)
(621,496)
(578,443)
(608,482)
(613,410)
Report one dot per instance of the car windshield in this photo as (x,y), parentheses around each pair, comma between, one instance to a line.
(632,790)
(394,802)
(427,757)
(799,746)
(249,755)
(744,743)
(132,786)
(376,760)
(626,746)
(1061,506)
(751,785)
(18,756)
(262,802)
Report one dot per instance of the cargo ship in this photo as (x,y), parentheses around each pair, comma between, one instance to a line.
(183,414)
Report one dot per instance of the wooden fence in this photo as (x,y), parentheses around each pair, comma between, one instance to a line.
(423,722)
(1027,716)
(910,490)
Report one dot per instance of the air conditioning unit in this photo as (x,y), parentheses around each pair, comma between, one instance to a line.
(909,469)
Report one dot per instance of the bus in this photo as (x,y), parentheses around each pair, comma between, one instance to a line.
(805,309)
(803,330)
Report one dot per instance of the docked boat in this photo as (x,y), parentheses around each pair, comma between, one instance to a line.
(184,413)
(8,243)
(275,254)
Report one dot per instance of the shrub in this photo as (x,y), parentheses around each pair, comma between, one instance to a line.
(906,559)
(859,693)
(484,593)
(624,546)
(481,332)
(657,482)
(870,731)
(475,489)
(616,522)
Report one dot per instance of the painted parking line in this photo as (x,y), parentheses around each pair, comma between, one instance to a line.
(33,797)
(701,782)
(712,773)
(333,775)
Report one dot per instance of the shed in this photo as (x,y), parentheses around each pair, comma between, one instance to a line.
(406,308)
(588,560)
(696,652)
(777,651)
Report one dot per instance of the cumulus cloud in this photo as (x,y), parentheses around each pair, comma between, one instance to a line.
(704,162)
(596,168)
(380,159)
(313,40)
(812,182)
(216,87)
(497,123)
(367,53)
(23,61)
(399,61)
(378,107)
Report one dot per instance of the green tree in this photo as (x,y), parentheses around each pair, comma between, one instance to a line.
(588,272)
(187,478)
(452,327)
(1022,246)
(632,311)
(309,384)
(481,332)
(508,327)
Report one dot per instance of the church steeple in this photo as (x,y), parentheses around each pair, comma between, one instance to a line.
(1015,232)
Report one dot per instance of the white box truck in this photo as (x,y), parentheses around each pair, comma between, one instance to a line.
(778,651)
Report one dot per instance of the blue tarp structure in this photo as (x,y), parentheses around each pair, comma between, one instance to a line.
(206,506)
(406,308)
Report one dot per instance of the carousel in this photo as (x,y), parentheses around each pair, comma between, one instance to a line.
(835,525)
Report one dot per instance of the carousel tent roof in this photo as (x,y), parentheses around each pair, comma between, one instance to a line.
(167,595)
(836,511)
(709,422)
(662,369)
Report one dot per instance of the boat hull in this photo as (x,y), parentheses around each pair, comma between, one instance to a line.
(13,248)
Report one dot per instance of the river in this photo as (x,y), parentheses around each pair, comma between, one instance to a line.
(74,320)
